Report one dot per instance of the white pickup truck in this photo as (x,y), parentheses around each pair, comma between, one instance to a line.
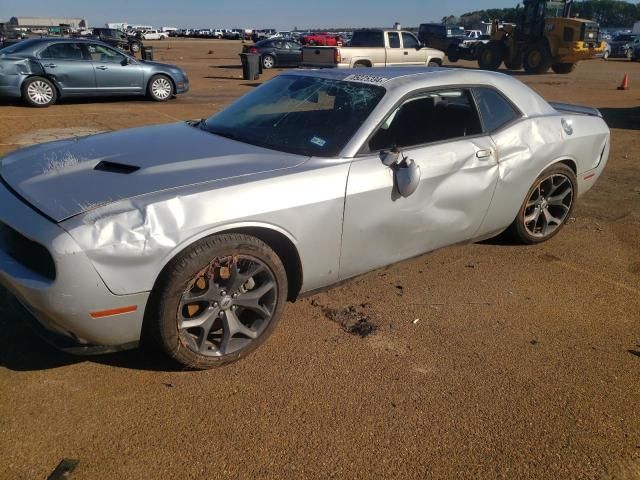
(374,48)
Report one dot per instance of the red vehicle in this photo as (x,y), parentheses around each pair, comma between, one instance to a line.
(322,39)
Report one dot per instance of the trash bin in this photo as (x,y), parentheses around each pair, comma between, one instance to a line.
(147,53)
(250,66)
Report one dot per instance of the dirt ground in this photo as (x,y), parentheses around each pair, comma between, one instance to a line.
(524,361)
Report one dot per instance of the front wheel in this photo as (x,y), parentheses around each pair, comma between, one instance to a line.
(39,92)
(134,47)
(217,301)
(548,205)
(160,88)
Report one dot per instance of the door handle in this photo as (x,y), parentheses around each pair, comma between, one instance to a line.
(483,154)
(51,65)
(406,53)
(101,67)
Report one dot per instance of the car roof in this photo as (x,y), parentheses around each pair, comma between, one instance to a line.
(401,81)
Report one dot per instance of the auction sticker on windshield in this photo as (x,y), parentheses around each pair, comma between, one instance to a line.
(373,79)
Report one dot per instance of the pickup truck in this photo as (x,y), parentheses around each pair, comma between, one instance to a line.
(374,48)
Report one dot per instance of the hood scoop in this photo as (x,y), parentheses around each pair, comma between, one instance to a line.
(114,167)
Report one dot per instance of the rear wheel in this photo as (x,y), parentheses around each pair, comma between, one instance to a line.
(134,47)
(537,59)
(490,56)
(39,92)
(548,205)
(268,61)
(563,68)
(217,301)
(361,65)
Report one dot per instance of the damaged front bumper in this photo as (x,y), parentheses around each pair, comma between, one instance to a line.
(62,291)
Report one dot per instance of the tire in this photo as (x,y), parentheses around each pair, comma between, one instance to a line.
(361,65)
(178,325)
(268,62)
(490,57)
(162,37)
(563,68)
(532,224)
(134,47)
(39,92)
(606,55)
(537,60)
(434,64)
(160,88)
(629,54)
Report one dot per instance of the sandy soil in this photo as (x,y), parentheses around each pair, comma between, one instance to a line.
(524,363)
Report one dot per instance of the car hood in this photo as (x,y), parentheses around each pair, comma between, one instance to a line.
(66,178)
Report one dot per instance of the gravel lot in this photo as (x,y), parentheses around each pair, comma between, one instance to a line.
(524,363)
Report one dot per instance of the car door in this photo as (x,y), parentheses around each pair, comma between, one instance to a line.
(291,53)
(395,54)
(412,54)
(115,72)
(67,64)
(441,132)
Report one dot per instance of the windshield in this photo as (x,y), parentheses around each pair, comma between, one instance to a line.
(297,114)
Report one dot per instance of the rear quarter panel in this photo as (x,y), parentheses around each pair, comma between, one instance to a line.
(530,146)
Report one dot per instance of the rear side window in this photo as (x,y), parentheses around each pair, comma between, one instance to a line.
(63,51)
(495,110)
(394,40)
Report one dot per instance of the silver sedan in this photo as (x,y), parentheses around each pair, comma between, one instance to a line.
(194,235)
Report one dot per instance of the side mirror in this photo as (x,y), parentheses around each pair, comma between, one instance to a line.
(125,61)
(407,177)
(390,157)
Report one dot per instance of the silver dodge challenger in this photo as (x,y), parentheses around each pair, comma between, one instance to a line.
(194,235)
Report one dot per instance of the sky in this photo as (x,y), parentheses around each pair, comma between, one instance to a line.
(279,14)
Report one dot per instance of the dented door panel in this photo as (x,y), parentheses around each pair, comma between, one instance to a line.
(455,190)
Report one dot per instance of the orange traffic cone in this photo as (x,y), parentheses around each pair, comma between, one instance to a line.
(625,83)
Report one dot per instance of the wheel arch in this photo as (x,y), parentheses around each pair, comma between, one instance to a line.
(364,61)
(43,75)
(162,74)
(279,240)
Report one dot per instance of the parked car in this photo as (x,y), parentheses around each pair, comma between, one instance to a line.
(467,49)
(322,39)
(234,34)
(40,71)
(197,233)
(620,46)
(473,34)
(154,35)
(374,48)
(442,37)
(276,53)
(116,38)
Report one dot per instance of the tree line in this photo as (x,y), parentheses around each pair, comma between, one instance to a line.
(608,13)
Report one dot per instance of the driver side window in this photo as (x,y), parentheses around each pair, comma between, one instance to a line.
(428,118)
